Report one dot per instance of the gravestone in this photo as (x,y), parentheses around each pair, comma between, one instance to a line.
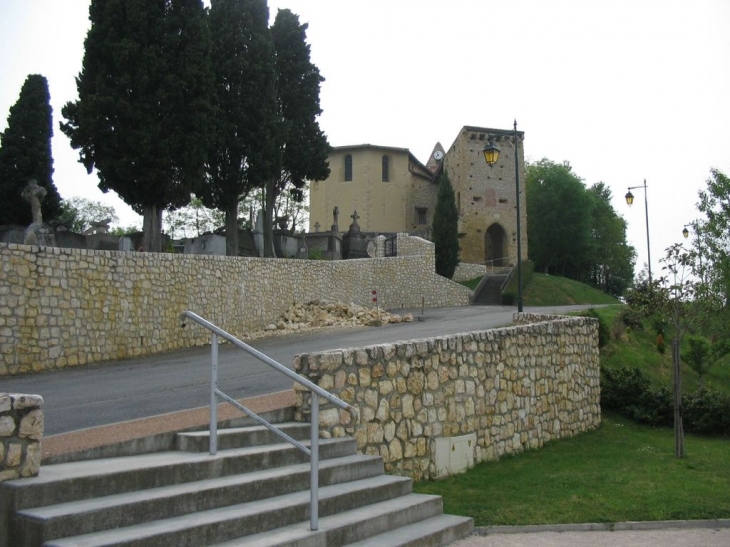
(258,233)
(354,243)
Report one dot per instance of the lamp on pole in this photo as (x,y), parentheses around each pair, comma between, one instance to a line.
(491,155)
(629,200)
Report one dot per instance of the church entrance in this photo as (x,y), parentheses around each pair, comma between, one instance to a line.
(494,246)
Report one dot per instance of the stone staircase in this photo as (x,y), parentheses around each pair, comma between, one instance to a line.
(490,292)
(254,492)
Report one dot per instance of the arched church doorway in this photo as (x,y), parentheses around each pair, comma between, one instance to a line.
(495,241)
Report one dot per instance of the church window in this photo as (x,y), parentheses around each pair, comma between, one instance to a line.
(348,167)
(421,214)
(386,165)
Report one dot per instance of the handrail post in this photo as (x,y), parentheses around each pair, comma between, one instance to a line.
(314,462)
(213,447)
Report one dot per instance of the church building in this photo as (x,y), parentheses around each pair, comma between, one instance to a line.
(394,192)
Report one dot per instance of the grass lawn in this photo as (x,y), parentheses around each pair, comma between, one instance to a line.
(620,472)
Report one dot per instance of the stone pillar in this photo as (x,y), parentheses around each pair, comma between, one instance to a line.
(21,430)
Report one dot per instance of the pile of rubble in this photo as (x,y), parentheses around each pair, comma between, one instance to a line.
(321,314)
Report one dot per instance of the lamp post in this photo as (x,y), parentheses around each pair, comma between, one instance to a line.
(629,200)
(491,155)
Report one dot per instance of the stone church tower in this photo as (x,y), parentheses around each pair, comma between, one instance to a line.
(486,197)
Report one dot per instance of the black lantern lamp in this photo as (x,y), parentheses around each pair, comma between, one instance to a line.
(629,198)
(491,154)
(685,232)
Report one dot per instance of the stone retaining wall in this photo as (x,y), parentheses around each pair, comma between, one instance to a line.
(465,272)
(66,307)
(21,430)
(515,388)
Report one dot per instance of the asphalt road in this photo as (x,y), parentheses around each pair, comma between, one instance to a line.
(116,391)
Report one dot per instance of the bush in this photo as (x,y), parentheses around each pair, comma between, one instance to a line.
(631,318)
(623,389)
(629,392)
(707,412)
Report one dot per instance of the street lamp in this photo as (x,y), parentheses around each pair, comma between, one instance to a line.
(629,200)
(491,155)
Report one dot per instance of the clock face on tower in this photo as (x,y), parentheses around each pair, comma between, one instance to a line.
(438,155)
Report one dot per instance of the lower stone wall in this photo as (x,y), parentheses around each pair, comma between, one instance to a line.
(515,388)
(465,272)
(21,430)
(66,307)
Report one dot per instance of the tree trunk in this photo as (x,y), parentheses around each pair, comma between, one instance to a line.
(152,229)
(269,200)
(678,427)
(232,229)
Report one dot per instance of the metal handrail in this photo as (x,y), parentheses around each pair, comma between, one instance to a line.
(493,260)
(313,450)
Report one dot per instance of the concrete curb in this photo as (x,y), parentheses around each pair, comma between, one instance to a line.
(603,527)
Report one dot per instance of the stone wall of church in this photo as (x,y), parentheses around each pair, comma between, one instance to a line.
(67,307)
(513,388)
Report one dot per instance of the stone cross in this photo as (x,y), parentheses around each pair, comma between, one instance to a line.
(316,226)
(34,194)
(354,227)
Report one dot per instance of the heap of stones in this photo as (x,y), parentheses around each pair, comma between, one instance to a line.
(320,314)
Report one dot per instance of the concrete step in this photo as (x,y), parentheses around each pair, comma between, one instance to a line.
(226,523)
(97,478)
(199,441)
(83,517)
(350,526)
(434,532)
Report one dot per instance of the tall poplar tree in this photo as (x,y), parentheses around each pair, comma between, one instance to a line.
(445,229)
(301,147)
(142,116)
(241,149)
(25,153)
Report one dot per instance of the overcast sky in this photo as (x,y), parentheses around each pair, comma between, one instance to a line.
(625,90)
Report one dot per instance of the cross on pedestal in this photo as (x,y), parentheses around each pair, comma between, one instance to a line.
(316,226)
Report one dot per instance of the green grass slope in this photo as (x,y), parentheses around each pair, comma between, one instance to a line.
(550,290)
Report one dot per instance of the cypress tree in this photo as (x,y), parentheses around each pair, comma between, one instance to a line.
(143,112)
(446,228)
(25,153)
(301,147)
(241,149)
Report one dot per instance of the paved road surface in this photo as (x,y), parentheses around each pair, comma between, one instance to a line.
(100,394)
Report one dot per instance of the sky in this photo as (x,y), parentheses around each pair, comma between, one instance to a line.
(624,90)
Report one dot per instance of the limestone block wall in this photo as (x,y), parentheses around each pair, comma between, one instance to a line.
(66,307)
(515,388)
(21,430)
(465,271)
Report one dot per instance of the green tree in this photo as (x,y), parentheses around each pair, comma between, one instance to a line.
(192,220)
(143,112)
(294,208)
(559,220)
(445,230)
(713,235)
(301,147)
(25,153)
(241,150)
(78,213)
(611,258)
(700,356)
